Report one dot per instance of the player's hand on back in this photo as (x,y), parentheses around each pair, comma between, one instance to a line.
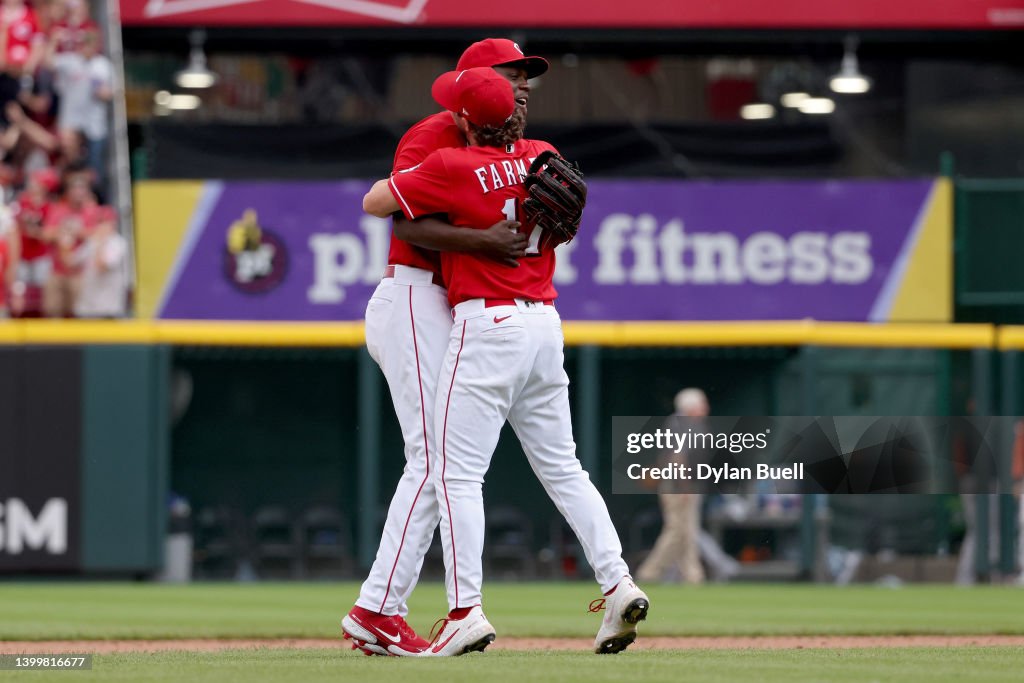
(503,243)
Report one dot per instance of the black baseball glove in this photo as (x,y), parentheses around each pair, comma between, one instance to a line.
(556,197)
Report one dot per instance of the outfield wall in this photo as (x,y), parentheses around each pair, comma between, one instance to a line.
(289,419)
(84,457)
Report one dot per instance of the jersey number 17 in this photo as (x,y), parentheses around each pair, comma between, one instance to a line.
(511,209)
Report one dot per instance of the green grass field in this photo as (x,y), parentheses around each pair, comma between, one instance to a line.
(90,611)
(41,611)
(719,666)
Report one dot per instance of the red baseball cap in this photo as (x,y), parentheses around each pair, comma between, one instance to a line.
(500,52)
(481,95)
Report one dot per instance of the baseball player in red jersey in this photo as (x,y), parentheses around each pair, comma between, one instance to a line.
(408,321)
(504,362)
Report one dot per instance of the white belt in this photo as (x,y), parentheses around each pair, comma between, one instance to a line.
(407,275)
(473,307)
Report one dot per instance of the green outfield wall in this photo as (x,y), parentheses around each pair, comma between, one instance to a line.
(113,428)
(84,458)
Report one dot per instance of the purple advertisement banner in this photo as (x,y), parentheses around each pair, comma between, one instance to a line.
(647,250)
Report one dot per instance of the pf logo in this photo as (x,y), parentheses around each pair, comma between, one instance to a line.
(398,11)
(255,259)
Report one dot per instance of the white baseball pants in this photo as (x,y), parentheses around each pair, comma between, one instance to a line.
(506,363)
(408,322)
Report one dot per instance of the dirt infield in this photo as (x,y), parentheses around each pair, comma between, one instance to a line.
(644,643)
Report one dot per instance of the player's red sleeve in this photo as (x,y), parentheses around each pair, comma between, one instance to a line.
(412,150)
(432,133)
(423,190)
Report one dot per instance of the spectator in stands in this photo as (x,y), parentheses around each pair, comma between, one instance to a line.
(61,289)
(9,141)
(29,213)
(25,145)
(68,224)
(40,101)
(9,246)
(83,81)
(50,14)
(74,26)
(103,261)
(21,45)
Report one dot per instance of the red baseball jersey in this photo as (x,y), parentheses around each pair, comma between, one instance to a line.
(477,187)
(28,212)
(432,133)
(22,32)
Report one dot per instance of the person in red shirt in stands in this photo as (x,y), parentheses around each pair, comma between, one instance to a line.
(29,212)
(21,48)
(9,247)
(68,223)
(24,37)
(72,28)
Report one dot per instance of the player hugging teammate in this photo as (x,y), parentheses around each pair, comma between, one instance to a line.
(455,385)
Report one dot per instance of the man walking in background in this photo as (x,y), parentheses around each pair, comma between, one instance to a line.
(677,548)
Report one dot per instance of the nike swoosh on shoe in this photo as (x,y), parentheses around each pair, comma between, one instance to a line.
(393,639)
(440,646)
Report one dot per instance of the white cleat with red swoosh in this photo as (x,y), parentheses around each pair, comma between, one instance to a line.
(471,633)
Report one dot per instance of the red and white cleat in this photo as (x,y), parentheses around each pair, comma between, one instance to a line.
(381,634)
(359,645)
(461,634)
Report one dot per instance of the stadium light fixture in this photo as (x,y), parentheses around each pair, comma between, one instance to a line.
(185,102)
(849,80)
(196,74)
(757,110)
(166,102)
(817,105)
(794,99)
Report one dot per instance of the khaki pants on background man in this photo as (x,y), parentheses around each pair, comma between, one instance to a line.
(676,547)
(59,295)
